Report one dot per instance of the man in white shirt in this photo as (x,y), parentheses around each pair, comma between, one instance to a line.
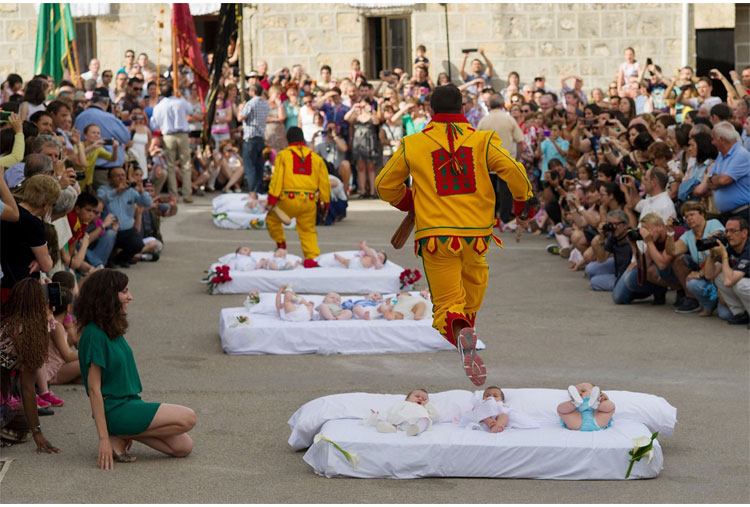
(657,198)
(93,72)
(704,88)
(170,117)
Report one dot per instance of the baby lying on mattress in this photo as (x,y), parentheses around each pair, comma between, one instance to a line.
(243,261)
(494,415)
(413,415)
(365,258)
(293,308)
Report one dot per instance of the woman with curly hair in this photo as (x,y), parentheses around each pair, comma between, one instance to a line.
(24,338)
(111,378)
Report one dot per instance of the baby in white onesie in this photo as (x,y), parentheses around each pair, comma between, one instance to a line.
(414,415)
(278,261)
(365,258)
(407,307)
(493,414)
(242,260)
(294,308)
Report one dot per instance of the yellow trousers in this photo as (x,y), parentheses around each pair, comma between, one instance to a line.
(305,211)
(457,274)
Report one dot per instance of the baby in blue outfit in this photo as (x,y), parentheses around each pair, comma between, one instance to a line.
(589,409)
(365,308)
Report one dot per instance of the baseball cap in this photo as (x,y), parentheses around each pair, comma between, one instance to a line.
(252,73)
(100,93)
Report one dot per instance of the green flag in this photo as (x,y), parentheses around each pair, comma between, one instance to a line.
(55,31)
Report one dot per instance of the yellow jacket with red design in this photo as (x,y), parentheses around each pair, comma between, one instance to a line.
(449,163)
(299,173)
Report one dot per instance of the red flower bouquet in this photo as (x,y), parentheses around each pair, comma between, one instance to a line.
(408,278)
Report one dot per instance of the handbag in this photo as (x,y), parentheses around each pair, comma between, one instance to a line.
(8,354)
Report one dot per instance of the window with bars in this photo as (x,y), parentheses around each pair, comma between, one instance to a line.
(388,44)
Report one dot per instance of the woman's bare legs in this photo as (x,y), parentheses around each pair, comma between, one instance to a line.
(361,175)
(371,177)
(167,432)
(69,373)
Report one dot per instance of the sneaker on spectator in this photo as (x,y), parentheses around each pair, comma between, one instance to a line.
(679,298)
(742,318)
(187,199)
(565,252)
(42,403)
(200,192)
(50,398)
(551,234)
(554,249)
(150,257)
(689,305)
(45,411)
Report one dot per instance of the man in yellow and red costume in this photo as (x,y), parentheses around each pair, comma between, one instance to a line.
(299,182)
(453,202)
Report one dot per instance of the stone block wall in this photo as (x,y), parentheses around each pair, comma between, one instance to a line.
(532,39)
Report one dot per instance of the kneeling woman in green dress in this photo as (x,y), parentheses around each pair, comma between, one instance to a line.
(111,377)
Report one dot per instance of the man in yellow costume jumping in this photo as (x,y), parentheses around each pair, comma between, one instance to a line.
(299,181)
(453,201)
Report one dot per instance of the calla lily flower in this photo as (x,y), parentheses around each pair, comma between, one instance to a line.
(352,458)
(640,442)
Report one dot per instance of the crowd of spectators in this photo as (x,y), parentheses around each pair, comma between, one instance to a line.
(644,186)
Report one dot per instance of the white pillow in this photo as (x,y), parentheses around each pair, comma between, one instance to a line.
(541,404)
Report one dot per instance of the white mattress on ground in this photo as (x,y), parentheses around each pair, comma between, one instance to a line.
(448,450)
(266,333)
(331,276)
(230,212)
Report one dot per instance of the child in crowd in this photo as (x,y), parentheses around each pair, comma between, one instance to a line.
(421,59)
(407,307)
(365,258)
(589,409)
(67,280)
(278,261)
(367,308)
(414,415)
(294,308)
(331,309)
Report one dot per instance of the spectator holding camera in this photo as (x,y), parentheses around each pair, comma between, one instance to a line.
(688,257)
(332,148)
(704,88)
(657,198)
(102,234)
(120,198)
(478,71)
(612,250)
(551,146)
(652,275)
(729,266)
(94,146)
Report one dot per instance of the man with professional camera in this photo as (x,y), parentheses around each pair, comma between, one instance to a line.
(729,265)
(119,198)
(652,274)
(689,257)
(332,148)
(612,250)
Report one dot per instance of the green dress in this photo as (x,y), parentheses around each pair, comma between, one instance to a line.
(124,410)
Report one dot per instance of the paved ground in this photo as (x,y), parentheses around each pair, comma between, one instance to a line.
(543,327)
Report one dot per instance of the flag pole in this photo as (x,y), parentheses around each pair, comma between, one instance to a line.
(241,46)
(175,78)
(67,39)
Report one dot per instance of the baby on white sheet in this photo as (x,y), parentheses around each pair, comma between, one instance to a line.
(407,307)
(278,262)
(242,260)
(331,309)
(414,415)
(367,308)
(294,308)
(253,204)
(493,414)
(365,258)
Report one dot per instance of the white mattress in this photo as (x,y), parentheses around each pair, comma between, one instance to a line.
(230,212)
(331,276)
(268,334)
(448,450)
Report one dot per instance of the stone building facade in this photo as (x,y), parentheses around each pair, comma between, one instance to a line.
(533,39)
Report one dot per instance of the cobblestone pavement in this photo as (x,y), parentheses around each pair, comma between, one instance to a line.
(543,328)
